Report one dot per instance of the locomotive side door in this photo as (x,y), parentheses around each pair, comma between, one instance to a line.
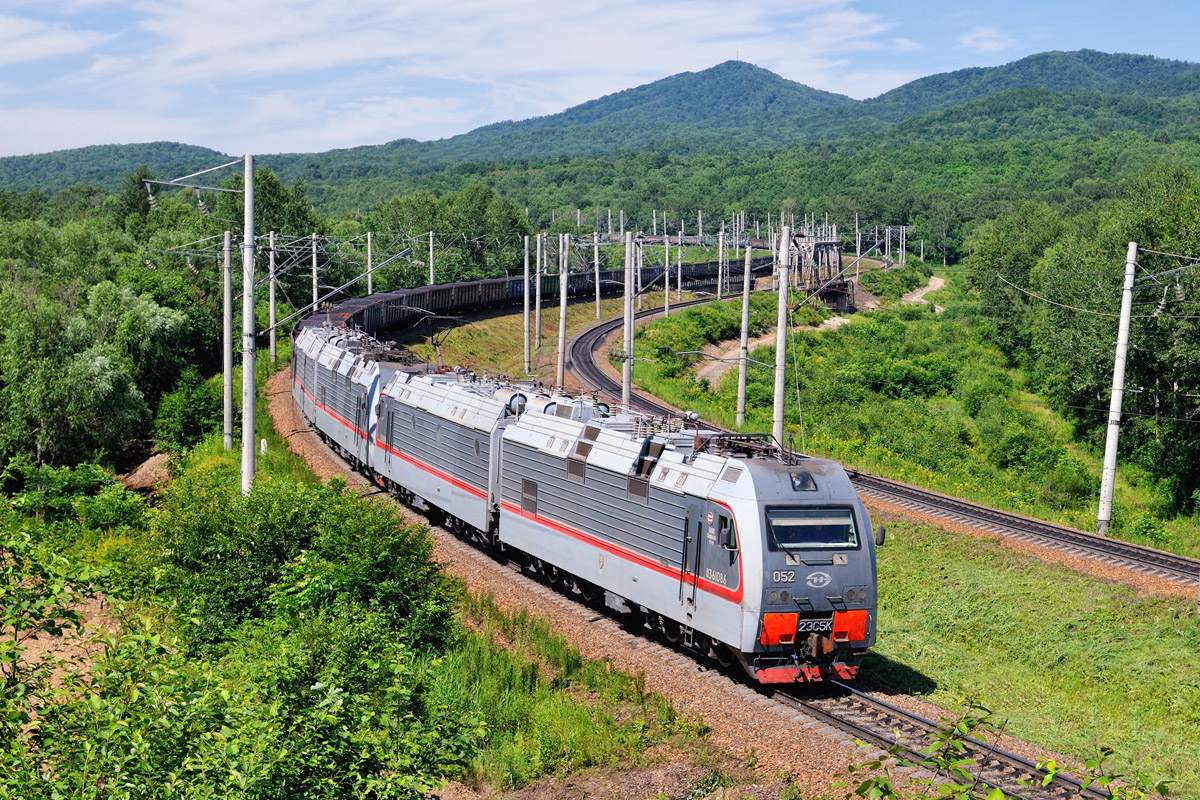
(387,437)
(693,537)
(360,423)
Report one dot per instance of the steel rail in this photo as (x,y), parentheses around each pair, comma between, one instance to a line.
(583,354)
(873,720)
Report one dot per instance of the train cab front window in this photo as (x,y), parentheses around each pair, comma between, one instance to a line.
(811,528)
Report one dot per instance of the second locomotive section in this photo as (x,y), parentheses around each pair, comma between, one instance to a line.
(745,554)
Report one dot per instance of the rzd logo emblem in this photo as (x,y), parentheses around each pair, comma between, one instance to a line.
(819,580)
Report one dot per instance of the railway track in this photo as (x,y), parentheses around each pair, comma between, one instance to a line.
(872,720)
(582,361)
(1146,560)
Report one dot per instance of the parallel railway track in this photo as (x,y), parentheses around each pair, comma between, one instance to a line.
(583,356)
(873,720)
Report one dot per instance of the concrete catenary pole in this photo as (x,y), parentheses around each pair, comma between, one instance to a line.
(596,267)
(227,343)
(370,272)
(781,335)
(666,275)
(638,265)
(537,291)
(560,374)
(525,326)
(679,269)
(431,258)
(627,333)
(720,263)
(1109,475)
(271,288)
(744,349)
(248,388)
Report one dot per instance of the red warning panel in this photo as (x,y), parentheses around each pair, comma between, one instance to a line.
(850,626)
(779,628)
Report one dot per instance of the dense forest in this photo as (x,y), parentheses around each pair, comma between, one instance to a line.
(1022,183)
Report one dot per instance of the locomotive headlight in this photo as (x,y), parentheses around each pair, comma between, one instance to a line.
(785,595)
(856,594)
(772,596)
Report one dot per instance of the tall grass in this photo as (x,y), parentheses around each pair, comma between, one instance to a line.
(547,710)
(1073,662)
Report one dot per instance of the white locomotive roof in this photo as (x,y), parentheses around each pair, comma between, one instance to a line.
(617,449)
(545,432)
(444,397)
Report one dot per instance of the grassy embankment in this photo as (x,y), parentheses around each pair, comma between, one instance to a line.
(1073,662)
(297,641)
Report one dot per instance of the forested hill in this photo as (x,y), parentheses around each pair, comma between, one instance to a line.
(734,104)
(103,166)
(1078,72)
(733,99)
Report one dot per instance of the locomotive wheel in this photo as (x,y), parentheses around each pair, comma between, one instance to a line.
(722,654)
(586,590)
(670,629)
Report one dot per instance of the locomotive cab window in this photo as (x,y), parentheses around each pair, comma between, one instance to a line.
(811,528)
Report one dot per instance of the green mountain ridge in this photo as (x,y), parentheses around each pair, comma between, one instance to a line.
(1055,71)
(732,104)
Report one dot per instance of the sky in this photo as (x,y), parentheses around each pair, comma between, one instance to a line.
(275,76)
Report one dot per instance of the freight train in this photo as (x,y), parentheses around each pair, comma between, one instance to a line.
(731,546)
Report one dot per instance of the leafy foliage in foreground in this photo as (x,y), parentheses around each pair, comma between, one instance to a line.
(304,616)
(308,649)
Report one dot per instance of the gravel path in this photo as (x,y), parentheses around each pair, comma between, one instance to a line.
(918,295)
(781,742)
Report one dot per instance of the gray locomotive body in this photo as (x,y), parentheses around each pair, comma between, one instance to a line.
(735,550)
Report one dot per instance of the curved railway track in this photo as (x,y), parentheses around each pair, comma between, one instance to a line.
(865,717)
(870,719)
(582,361)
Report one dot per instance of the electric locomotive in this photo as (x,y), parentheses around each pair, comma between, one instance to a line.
(728,545)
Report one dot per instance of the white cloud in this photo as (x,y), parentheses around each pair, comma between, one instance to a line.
(60,128)
(287,75)
(23,39)
(985,39)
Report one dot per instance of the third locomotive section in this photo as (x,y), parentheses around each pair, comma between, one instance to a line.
(733,548)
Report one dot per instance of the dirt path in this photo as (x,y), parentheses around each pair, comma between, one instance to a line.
(918,295)
(721,353)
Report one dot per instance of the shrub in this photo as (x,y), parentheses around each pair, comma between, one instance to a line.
(190,413)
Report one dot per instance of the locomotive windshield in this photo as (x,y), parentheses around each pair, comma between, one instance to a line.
(805,528)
